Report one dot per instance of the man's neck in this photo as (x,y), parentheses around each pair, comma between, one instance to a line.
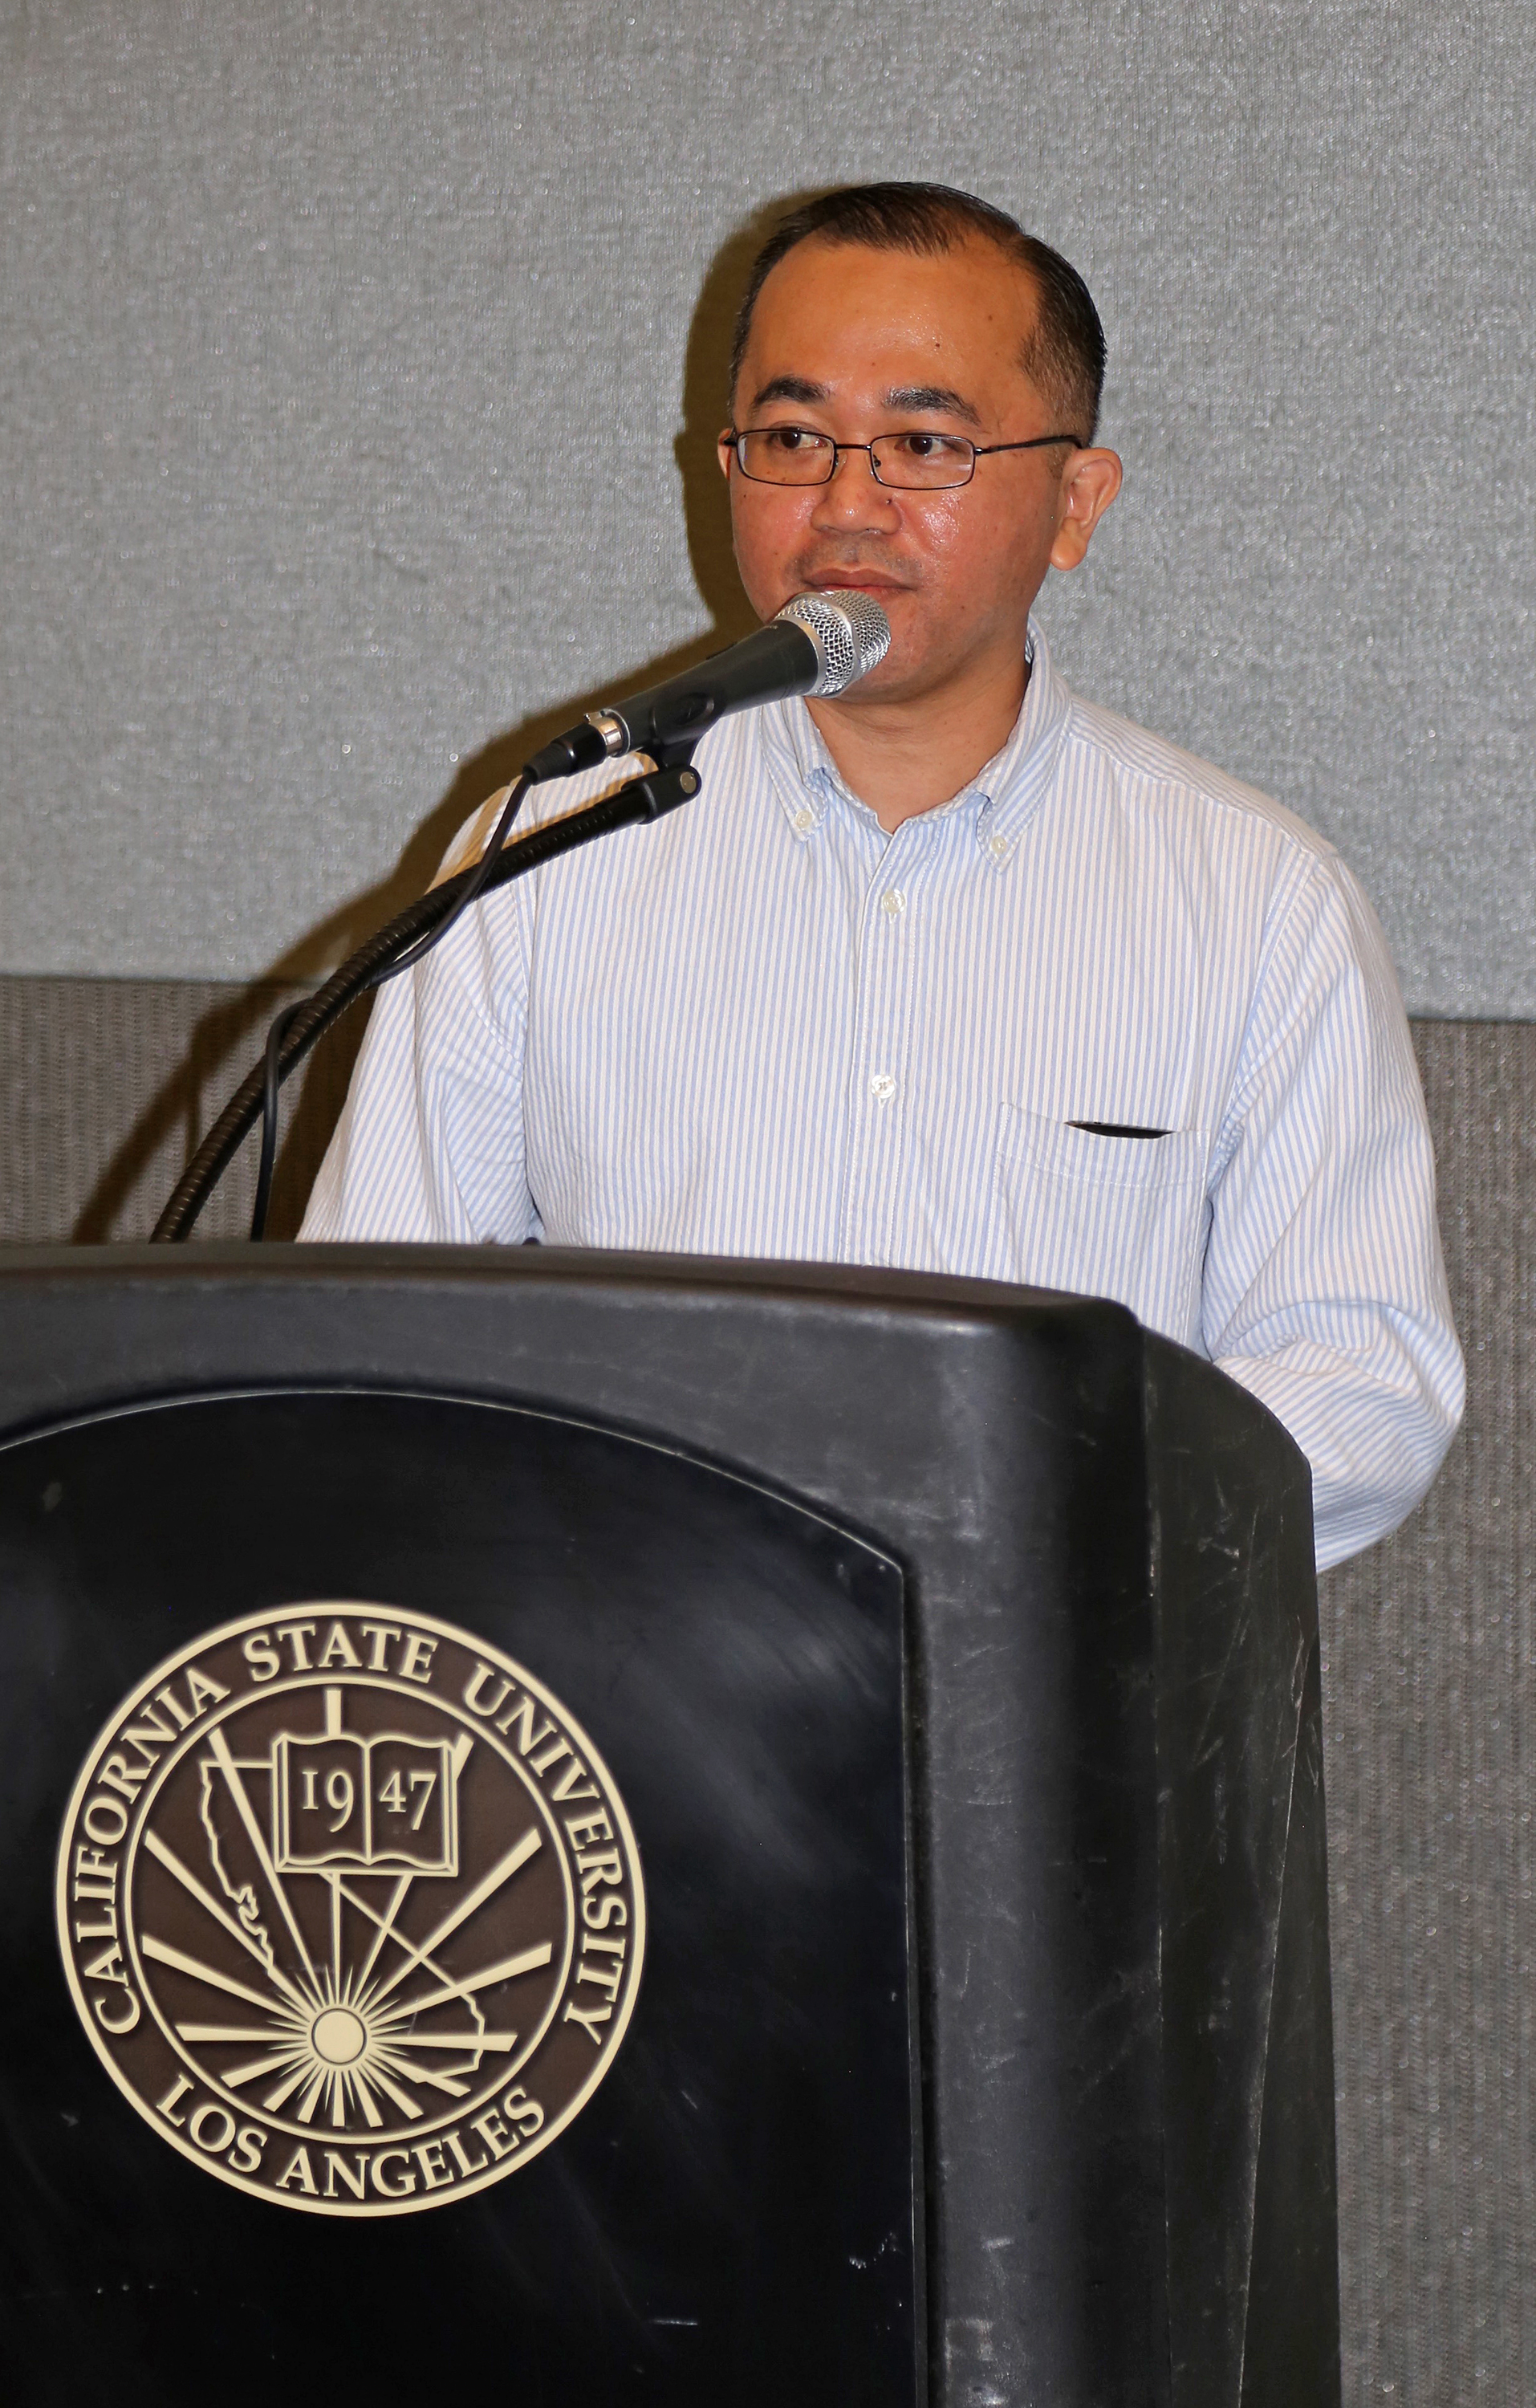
(904,757)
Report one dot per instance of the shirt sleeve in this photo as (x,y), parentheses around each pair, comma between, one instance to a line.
(1325,1291)
(430,1142)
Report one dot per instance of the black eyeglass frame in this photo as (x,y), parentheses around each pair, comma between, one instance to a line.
(737,437)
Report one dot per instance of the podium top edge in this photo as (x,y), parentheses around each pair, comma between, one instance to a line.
(375,1266)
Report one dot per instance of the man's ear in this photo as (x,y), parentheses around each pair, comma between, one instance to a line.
(723,452)
(1089,483)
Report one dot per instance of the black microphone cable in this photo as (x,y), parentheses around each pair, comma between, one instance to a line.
(272,1070)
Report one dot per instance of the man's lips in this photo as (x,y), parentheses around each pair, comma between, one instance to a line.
(828,581)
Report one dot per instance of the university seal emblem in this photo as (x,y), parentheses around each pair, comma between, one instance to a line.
(350,1908)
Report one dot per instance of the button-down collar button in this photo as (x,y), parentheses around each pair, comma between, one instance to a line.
(998,847)
(893,903)
(803,820)
(883,1086)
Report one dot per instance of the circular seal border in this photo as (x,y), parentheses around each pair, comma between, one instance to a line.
(124,1850)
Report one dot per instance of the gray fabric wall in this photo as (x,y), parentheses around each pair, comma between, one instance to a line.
(1429,1656)
(284,288)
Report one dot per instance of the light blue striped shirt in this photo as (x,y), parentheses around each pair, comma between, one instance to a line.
(765,1028)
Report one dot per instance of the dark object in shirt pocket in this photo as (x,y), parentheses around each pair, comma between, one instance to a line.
(1115,1129)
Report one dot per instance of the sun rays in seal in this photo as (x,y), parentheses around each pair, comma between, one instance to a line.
(341,2050)
(345,2042)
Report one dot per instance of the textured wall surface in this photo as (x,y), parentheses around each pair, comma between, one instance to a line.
(1429,1645)
(356,395)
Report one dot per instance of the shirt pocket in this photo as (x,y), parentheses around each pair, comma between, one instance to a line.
(1113,1216)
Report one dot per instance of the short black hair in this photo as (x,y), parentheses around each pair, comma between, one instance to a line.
(1064,355)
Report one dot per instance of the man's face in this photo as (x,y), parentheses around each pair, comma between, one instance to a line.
(855,343)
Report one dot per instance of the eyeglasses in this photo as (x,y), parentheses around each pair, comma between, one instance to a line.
(917,462)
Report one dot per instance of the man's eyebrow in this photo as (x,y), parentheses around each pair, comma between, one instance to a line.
(933,396)
(789,388)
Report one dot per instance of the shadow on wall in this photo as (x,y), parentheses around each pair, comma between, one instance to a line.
(224,1038)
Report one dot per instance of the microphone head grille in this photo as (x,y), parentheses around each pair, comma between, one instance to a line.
(849,631)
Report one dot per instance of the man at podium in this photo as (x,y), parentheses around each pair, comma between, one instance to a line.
(953,972)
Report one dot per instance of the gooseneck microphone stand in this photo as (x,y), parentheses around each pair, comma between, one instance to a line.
(817,644)
(395,948)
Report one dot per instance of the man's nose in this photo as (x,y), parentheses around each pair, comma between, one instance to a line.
(854,490)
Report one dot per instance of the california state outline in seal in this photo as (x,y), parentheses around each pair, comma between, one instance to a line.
(350,1908)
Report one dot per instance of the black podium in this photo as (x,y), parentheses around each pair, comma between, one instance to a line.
(604,1829)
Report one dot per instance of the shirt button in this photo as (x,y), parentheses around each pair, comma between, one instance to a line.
(998,848)
(804,819)
(893,903)
(883,1086)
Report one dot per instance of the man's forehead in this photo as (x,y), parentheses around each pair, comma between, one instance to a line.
(972,298)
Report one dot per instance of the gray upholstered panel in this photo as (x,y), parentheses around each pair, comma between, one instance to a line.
(281,285)
(107,1086)
(1429,1674)
(1429,1658)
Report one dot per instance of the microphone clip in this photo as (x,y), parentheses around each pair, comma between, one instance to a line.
(666,787)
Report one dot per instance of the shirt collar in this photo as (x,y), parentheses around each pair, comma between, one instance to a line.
(1001,799)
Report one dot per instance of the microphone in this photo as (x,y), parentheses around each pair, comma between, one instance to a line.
(817,644)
